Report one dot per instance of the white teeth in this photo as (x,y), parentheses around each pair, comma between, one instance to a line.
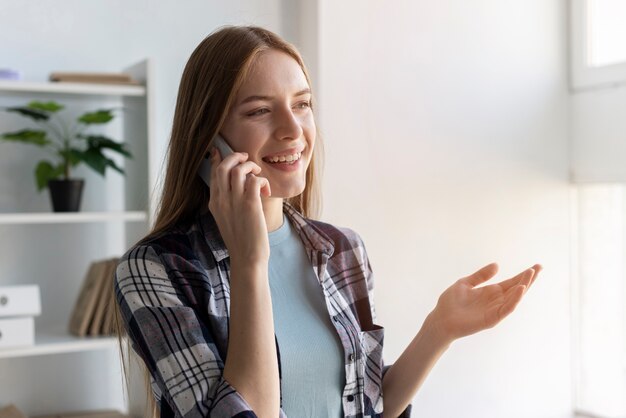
(283,158)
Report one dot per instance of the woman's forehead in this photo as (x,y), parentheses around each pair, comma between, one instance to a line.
(273,72)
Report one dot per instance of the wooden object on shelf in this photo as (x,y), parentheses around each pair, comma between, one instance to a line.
(87,299)
(11,411)
(102,304)
(98,78)
(109,313)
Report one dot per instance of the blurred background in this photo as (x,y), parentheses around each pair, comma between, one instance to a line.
(456,134)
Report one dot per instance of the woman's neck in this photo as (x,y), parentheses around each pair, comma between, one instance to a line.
(273,211)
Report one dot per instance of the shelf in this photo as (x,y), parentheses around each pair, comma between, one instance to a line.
(65,217)
(72,88)
(120,214)
(58,342)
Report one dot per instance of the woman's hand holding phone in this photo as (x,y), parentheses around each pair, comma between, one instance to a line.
(235,203)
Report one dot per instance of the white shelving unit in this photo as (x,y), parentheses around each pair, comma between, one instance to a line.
(72,88)
(61,372)
(58,342)
(51,218)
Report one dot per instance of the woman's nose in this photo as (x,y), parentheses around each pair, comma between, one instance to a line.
(288,126)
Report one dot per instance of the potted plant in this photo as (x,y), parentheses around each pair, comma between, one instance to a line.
(70,146)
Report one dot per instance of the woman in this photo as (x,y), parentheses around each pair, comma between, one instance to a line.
(239,303)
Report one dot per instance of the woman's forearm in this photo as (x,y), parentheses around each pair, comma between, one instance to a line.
(406,375)
(251,365)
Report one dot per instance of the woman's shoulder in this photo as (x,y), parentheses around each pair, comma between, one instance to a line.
(171,241)
(340,237)
(347,245)
(338,234)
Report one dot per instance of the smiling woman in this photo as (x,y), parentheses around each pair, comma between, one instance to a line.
(241,304)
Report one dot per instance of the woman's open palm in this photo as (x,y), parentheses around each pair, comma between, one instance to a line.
(464,309)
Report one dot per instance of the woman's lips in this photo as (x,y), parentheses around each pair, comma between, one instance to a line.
(286,166)
(290,151)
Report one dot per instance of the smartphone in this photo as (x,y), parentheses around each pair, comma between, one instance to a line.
(205,168)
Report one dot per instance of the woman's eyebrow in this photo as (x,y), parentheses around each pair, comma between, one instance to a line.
(258,97)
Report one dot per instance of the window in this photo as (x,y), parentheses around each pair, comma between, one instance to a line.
(597,43)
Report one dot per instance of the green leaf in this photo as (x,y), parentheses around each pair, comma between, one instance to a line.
(111,163)
(46,171)
(99,116)
(46,107)
(28,136)
(100,142)
(31,113)
(95,159)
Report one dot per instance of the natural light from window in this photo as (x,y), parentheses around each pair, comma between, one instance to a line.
(607,32)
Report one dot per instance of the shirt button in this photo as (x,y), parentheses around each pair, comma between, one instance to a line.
(350,398)
(351,357)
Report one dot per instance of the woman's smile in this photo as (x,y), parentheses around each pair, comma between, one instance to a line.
(287,164)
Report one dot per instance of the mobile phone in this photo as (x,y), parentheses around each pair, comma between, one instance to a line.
(205,168)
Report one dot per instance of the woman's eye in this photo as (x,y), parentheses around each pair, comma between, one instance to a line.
(304,105)
(258,112)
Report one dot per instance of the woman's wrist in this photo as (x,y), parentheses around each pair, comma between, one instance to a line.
(248,267)
(436,331)
(405,377)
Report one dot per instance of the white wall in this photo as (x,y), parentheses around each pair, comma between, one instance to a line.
(446,134)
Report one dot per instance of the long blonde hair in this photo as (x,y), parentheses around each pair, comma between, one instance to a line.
(209,84)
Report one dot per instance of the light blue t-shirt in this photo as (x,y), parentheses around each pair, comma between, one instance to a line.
(313,375)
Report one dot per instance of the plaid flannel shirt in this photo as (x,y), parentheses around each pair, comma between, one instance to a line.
(174,295)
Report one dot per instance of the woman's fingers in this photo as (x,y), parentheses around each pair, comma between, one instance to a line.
(537,268)
(239,173)
(254,185)
(481,275)
(233,173)
(223,167)
(525,277)
(522,278)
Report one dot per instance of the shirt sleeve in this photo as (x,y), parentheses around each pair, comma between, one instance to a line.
(369,277)
(177,348)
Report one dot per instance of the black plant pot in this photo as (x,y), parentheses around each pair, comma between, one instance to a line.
(66,194)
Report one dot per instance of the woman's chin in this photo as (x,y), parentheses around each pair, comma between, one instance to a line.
(286,192)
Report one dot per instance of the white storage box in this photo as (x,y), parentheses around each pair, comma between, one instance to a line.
(23,300)
(17,332)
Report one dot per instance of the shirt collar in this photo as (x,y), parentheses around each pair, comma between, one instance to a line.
(311,235)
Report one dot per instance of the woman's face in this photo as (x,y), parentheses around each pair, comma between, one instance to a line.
(271,117)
